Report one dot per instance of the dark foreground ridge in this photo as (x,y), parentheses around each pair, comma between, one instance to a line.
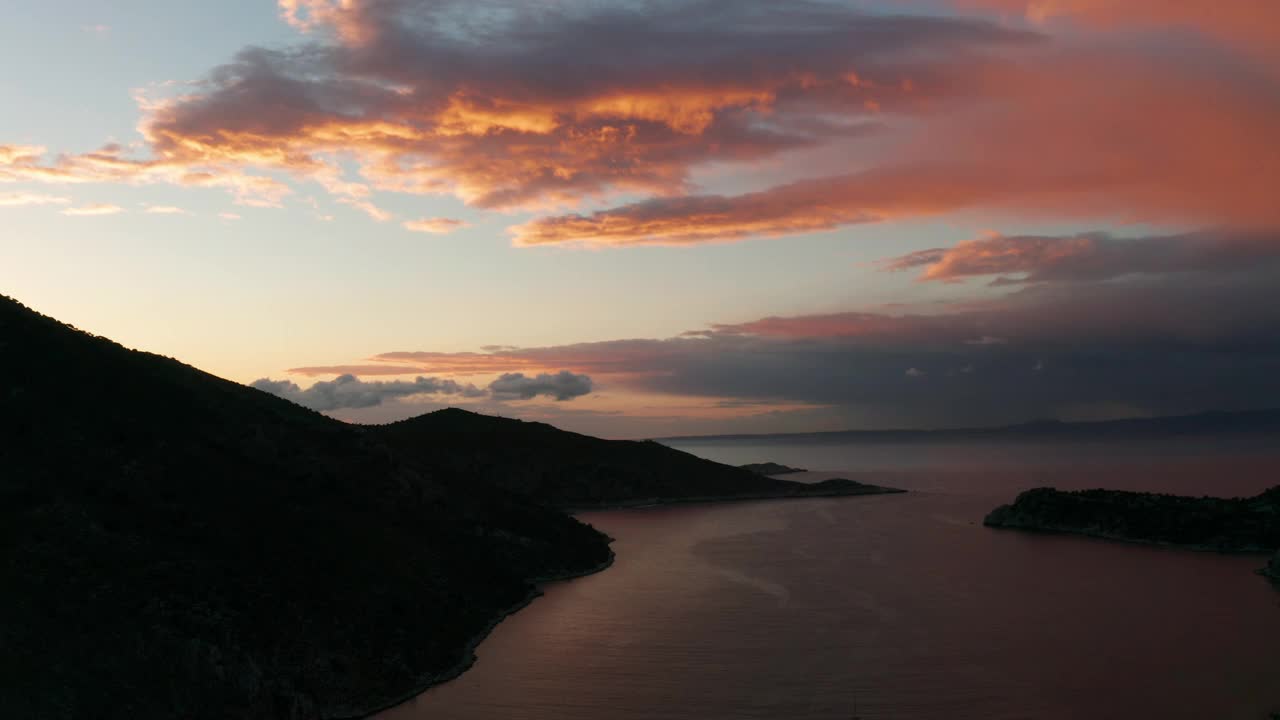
(177,545)
(180,546)
(1204,523)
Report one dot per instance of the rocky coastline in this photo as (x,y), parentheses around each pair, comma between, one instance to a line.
(468,652)
(1229,525)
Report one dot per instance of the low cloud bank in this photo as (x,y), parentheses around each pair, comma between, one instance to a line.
(350,392)
(561,386)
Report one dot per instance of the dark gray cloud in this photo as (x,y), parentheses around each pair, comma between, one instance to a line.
(1160,343)
(1160,346)
(561,386)
(348,391)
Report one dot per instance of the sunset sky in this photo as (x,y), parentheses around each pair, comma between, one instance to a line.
(649,218)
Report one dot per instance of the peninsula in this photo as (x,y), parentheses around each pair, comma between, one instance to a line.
(178,545)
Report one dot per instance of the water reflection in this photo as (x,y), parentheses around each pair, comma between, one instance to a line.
(903,603)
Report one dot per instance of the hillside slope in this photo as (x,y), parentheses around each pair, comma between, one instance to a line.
(176,545)
(569,470)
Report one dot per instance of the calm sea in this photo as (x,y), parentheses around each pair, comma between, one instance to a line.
(902,607)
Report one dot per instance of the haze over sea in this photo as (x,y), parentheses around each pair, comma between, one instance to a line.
(904,606)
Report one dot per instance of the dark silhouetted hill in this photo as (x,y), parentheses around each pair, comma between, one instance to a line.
(569,470)
(173,545)
(771,468)
(1203,523)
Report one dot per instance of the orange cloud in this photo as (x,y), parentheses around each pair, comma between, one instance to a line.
(549,107)
(1115,136)
(435,226)
(109,165)
(527,107)
(999,254)
(18,155)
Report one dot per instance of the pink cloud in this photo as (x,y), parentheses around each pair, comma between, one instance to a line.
(1191,142)
(1247,24)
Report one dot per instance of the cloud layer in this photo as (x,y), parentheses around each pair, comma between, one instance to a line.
(1102,332)
(350,392)
(1100,133)
(530,105)
(1090,256)
(561,386)
(1151,110)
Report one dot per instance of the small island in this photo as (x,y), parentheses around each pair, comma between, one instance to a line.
(1236,525)
(771,468)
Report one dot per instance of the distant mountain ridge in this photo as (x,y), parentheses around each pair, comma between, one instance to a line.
(1204,423)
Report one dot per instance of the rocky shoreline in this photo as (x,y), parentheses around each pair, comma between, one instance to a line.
(469,657)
